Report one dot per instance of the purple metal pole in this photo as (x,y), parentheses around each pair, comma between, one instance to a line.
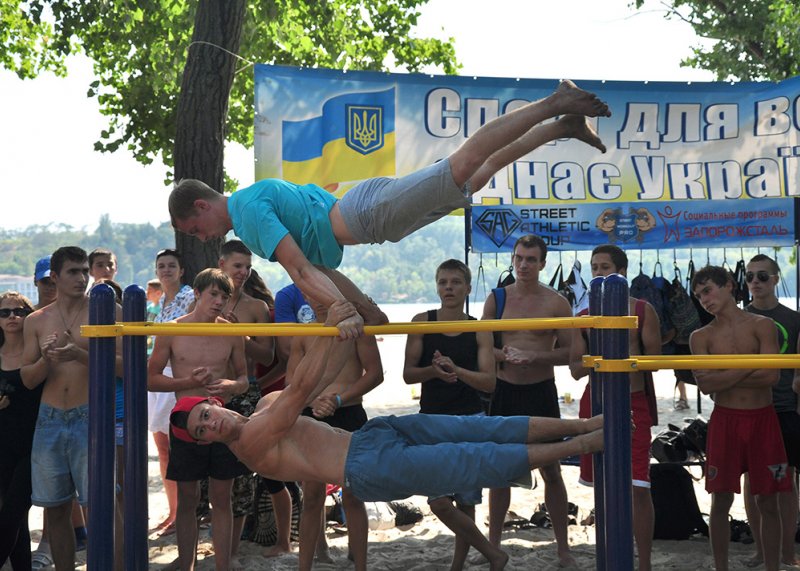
(102,311)
(595,304)
(617,410)
(134,352)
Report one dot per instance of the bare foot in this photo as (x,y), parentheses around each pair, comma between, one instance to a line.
(573,99)
(567,561)
(578,127)
(323,557)
(169,520)
(498,561)
(163,531)
(756,560)
(275,551)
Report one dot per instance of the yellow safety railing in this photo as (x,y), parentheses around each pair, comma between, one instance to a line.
(307,329)
(656,362)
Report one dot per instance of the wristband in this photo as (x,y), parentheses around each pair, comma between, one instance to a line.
(338,401)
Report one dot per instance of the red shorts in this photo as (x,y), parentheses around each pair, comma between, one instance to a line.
(745,440)
(640,440)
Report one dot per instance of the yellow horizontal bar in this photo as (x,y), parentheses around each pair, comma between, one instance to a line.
(306,329)
(657,362)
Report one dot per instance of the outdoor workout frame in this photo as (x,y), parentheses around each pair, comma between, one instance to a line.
(608,338)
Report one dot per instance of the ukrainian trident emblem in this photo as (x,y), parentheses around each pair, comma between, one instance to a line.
(364,128)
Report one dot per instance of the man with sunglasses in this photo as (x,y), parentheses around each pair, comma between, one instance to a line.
(743,433)
(762,278)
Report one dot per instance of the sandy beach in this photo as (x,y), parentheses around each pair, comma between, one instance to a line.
(428,544)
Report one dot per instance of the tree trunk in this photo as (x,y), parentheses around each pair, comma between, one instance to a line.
(203,111)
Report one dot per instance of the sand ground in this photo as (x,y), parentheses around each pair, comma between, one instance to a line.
(428,544)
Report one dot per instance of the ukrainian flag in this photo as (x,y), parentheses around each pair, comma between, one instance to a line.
(352,140)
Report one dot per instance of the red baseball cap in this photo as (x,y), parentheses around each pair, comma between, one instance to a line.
(179,416)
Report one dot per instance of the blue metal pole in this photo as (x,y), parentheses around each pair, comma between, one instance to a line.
(102,311)
(596,391)
(617,410)
(134,353)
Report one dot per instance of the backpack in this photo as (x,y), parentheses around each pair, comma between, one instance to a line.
(675,504)
(705,317)
(506,278)
(652,291)
(681,311)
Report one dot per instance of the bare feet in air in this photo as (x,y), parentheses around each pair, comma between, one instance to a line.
(572,99)
(578,127)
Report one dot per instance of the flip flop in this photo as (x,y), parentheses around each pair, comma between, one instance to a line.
(168,529)
(41,560)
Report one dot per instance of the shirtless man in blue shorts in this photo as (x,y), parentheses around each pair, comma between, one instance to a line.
(305,228)
(390,457)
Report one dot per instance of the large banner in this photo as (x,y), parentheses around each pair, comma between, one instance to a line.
(651,225)
(690,149)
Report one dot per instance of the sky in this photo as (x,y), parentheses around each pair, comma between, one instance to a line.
(48,126)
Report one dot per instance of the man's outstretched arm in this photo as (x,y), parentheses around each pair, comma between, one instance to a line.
(314,284)
(318,367)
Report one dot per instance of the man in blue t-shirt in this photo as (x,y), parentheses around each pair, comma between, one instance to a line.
(304,228)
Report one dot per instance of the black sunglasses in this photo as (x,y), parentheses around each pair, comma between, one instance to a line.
(18,311)
(761,275)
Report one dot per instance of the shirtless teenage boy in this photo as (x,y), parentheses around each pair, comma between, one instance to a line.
(606,260)
(338,405)
(201,366)
(390,457)
(525,378)
(55,353)
(305,228)
(452,368)
(743,432)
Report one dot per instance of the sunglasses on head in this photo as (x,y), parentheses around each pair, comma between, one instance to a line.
(18,311)
(761,275)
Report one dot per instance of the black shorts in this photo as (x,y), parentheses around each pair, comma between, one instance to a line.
(349,418)
(192,462)
(683,375)
(538,399)
(790,430)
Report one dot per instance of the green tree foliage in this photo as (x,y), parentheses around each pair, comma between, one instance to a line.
(755,39)
(139,50)
(174,75)
(134,244)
